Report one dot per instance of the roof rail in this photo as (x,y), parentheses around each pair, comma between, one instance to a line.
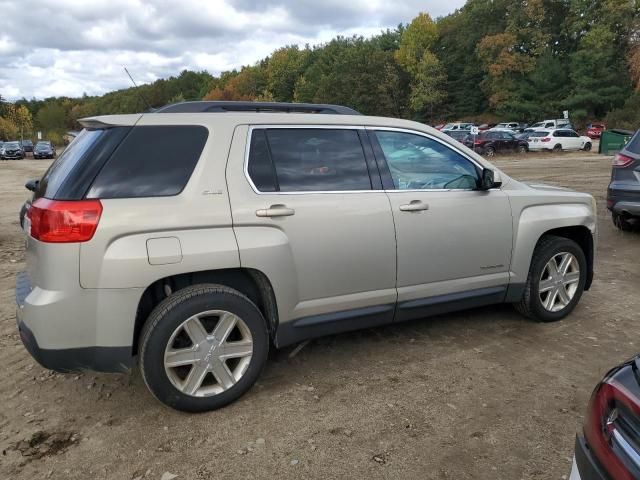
(218,107)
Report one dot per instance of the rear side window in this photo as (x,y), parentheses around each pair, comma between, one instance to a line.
(634,144)
(152,161)
(260,166)
(309,159)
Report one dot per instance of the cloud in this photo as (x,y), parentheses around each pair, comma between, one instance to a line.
(69,48)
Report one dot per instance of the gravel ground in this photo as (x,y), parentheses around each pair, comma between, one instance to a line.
(481,394)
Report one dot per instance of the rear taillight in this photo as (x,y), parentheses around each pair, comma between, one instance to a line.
(478,142)
(62,221)
(621,161)
(546,139)
(609,430)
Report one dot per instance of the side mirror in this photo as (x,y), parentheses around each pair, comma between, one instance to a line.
(32,185)
(487,181)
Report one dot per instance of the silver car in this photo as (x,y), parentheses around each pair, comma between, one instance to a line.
(194,238)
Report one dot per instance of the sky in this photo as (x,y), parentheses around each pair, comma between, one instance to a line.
(71,47)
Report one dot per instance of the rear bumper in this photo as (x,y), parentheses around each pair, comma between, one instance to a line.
(585,466)
(623,201)
(56,329)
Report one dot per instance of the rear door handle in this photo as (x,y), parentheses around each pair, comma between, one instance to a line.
(414,206)
(276,211)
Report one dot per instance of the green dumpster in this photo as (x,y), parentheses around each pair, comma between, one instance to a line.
(613,140)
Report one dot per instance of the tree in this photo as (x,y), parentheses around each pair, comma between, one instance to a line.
(20,116)
(419,36)
(8,130)
(284,68)
(52,118)
(428,85)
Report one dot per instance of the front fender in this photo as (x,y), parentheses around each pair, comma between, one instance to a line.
(535,221)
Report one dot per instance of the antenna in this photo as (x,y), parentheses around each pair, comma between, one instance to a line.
(144,99)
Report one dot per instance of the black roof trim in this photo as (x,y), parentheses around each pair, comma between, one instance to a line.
(218,107)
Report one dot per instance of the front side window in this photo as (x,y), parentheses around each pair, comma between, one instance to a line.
(309,160)
(421,163)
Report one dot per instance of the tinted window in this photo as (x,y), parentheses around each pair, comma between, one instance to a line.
(539,134)
(507,136)
(634,144)
(572,134)
(418,163)
(316,159)
(549,125)
(62,167)
(260,166)
(151,161)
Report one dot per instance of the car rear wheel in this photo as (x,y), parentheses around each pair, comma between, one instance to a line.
(587,147)
(557,148)
(622,222)
(556,280)
(522,149)
(203,347)
(490,151)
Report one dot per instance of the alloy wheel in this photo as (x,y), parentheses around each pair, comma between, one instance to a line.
(559,281)
(208,353)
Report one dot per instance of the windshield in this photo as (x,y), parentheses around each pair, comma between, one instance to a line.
(11,145)
(539,124)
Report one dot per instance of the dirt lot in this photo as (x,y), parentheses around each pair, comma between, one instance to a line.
(481,394)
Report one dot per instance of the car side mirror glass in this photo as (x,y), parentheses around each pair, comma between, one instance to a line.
(487,180)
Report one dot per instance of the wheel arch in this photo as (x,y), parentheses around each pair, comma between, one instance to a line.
(574,221)
(250,282)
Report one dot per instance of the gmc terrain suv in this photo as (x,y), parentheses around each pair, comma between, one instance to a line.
(196,236)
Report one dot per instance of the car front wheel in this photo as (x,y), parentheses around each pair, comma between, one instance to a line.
(587,147)
(556,280)
(203,347)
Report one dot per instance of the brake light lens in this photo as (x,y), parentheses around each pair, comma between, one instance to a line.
(546,139)
(621,161)
(478,142)
(63,221)
(603,429)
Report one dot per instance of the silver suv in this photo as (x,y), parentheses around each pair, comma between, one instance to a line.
(195,237)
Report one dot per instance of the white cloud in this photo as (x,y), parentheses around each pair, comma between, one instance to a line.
(80,47)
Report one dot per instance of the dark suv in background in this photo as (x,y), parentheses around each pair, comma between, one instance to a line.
(623,194)
(490,142)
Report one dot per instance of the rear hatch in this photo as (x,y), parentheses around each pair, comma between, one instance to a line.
(56,219)
(625,174)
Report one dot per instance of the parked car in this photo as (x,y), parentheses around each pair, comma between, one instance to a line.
(457,126)
(151,239)
(595,130)
(609,446)
(11,151)
(486,126)
(27,146)
(44,149)
(552,124)
(558,140)
(459,135)
(623,194)
(491,142)
(507,126)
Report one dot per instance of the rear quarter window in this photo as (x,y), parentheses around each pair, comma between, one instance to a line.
(152,161)
(634,144)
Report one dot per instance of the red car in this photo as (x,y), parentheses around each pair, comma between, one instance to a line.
(595,130)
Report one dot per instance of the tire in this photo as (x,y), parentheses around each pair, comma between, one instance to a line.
(522,149)
(621,222)
(557,148)
(159,337)
(490,152)
(550,248)
(587,147)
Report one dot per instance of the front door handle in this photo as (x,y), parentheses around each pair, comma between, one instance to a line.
(275,211)
(414,206)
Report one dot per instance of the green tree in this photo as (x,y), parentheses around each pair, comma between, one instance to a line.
(52,118)
(284,68)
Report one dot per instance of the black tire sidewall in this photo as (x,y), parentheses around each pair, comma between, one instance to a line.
(165,321)
(539,262)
